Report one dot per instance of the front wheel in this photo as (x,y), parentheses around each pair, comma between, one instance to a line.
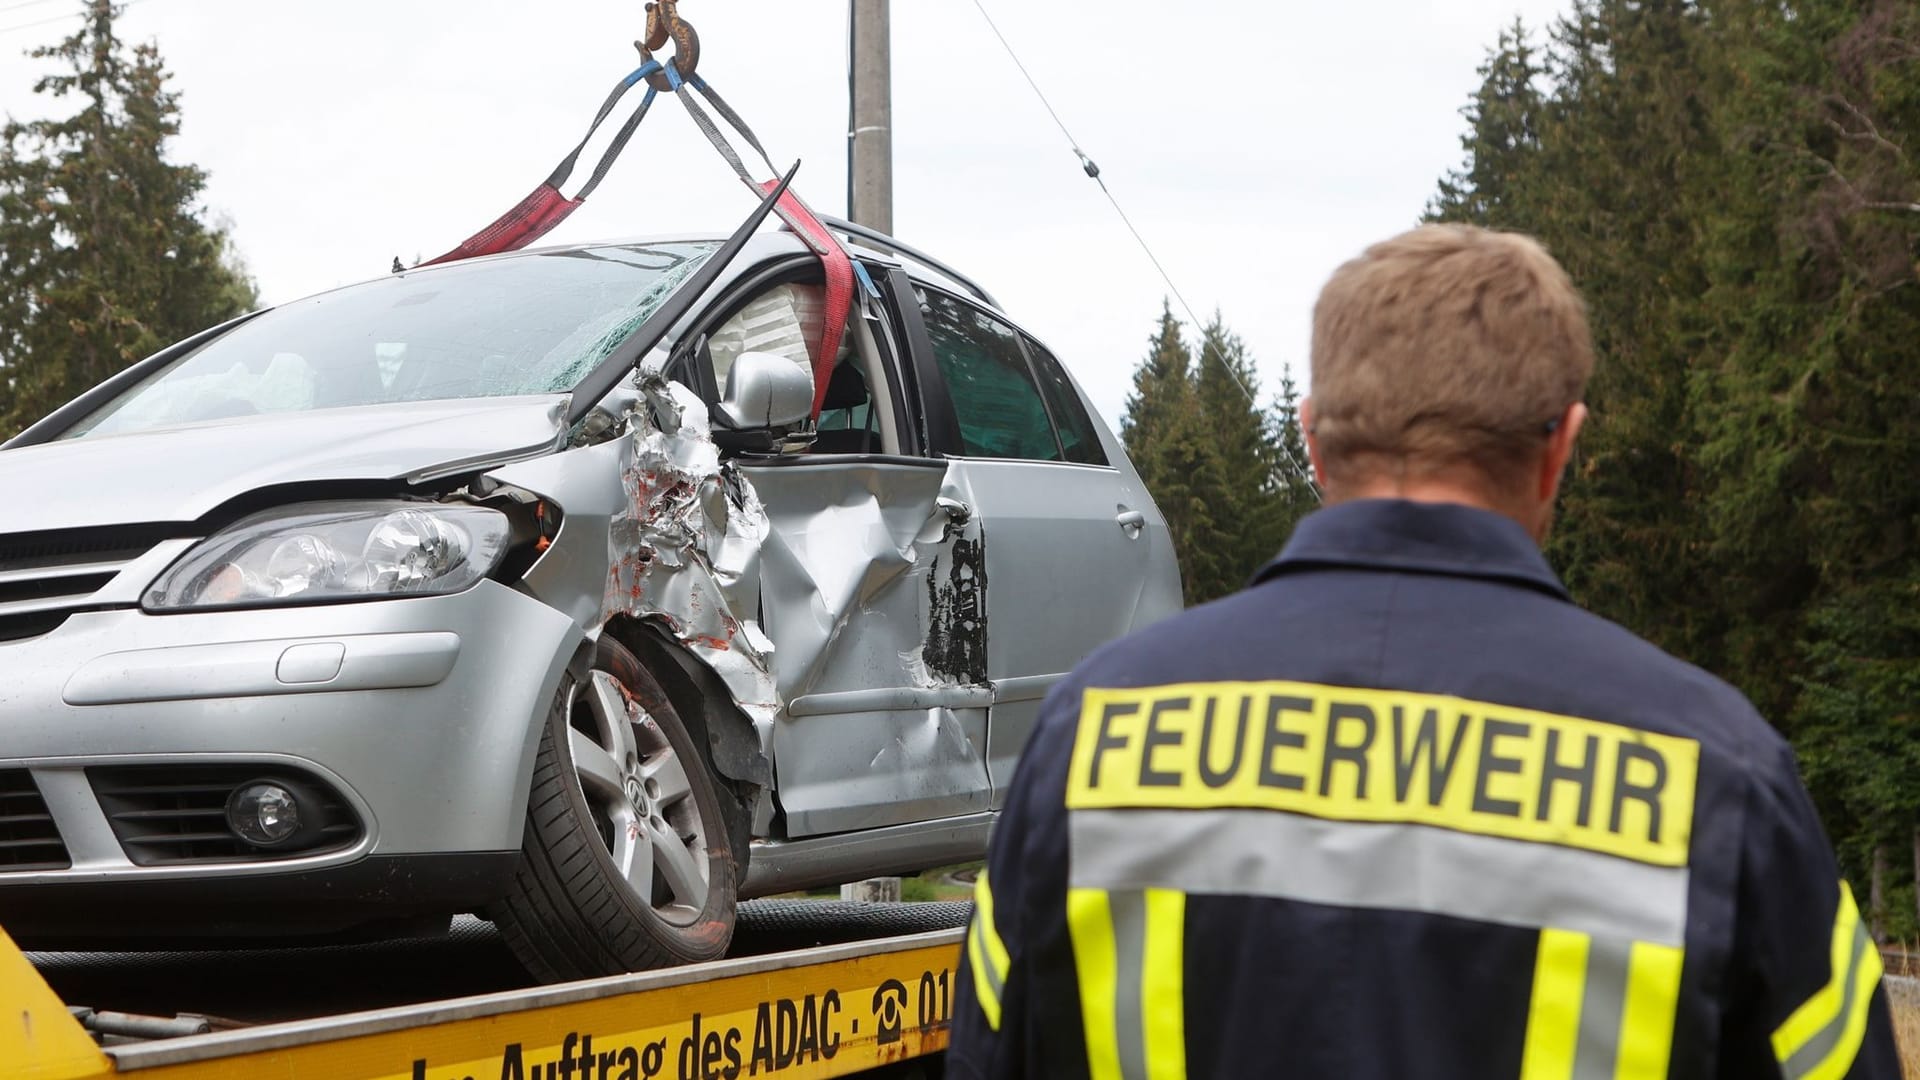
(625,864)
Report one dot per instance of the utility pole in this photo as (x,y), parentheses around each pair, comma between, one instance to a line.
(870,198)
(870,112)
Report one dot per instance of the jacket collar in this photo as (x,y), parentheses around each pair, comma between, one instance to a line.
(1428,538)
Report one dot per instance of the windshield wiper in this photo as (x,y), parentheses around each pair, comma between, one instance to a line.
(608,373)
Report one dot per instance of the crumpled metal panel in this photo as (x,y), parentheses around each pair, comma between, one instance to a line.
(874,593)
(684,549)
(857,540)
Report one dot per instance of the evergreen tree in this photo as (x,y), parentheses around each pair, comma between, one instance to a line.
(1733,187)
(1216,465)
(1166,439)
(1249,502)
(1298,495)
(1502,136)
(1158,384)
(104,257)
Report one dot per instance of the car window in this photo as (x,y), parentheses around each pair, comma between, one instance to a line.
(1077,437)
(526,324)
(995,399)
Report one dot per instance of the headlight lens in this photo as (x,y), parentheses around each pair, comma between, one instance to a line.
(336,551)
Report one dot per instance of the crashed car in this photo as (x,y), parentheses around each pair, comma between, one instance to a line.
(355,613)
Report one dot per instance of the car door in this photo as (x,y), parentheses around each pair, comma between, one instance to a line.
(1076,553)
(866,578)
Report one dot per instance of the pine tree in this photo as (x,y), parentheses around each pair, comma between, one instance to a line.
(1157,385)
(1216,464)
(104,257)
(1298,495)
(1735,189)
(1166,440)
(1249,503)
(1502,136)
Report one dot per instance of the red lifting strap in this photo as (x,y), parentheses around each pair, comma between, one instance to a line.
(545,208)
(536,215)
(837,266)
(532,218)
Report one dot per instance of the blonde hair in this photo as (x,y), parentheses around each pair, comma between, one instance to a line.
(1445,346)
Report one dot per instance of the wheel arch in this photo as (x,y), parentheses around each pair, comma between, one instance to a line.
(701,698)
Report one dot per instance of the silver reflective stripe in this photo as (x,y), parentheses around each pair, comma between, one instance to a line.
(1602,1005)
(1368,865)
(1130,965)
(1816,1049)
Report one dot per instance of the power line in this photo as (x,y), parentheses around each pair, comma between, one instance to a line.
(4,8)
(57,18)
(1093,171)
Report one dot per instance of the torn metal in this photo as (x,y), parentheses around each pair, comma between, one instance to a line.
(684,549)
(874,590)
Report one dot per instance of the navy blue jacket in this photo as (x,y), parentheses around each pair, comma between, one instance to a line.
(1401,809)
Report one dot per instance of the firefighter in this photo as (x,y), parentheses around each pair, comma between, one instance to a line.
(1400,809)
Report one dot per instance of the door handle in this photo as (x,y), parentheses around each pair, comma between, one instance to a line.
(1131,521)
(957,512)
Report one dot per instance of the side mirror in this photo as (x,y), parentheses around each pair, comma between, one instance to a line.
(766,392)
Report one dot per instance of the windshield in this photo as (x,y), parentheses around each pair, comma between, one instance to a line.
(535,324)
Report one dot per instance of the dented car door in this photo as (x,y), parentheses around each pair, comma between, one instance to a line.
(872,599)
(870,584)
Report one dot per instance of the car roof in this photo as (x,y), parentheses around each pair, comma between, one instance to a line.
(762,246)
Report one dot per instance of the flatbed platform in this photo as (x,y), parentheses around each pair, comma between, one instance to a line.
(810,988)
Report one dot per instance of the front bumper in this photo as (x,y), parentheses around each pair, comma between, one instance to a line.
(420,714)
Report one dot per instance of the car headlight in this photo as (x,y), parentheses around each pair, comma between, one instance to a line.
(336,551)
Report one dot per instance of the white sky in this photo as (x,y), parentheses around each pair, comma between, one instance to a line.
(1255,145)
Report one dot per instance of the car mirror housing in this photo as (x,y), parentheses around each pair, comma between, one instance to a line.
(766,392)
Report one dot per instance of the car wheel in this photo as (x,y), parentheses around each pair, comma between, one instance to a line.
(626,863)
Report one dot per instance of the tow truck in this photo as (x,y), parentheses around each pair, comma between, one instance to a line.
(810,989)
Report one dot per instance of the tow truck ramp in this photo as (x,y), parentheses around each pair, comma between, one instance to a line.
(823,1011)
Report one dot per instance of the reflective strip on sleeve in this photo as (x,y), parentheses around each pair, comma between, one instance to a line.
(1820,1039)
(987,954)
(1601,1009)
(1129,953)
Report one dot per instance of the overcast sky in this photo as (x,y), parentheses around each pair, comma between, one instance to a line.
(1256,146)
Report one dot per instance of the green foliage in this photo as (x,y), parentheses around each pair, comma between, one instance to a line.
(1220,468)
(1733,185)
(103,255)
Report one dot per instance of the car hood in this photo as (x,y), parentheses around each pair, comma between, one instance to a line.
(180,473)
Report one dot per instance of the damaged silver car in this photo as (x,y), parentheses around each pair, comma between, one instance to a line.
(531,585)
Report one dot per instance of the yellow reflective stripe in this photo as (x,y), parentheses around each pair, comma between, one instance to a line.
(1819,1010)
(996,949)
(1653,998)
(984,988)
(1090,923)
(1553,1017)
(1162,985)
(1822,1036)
(1836,1064)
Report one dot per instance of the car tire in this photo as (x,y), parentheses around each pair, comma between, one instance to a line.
(626,864)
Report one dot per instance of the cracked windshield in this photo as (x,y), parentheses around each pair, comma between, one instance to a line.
(519,326)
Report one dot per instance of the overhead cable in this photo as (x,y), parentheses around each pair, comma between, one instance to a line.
(118,8)
(1093,171)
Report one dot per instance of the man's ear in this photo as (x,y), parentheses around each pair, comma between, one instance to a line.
(1313,441)
(1559,449)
